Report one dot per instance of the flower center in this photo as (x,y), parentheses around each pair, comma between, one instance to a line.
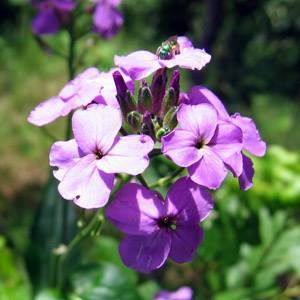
(167,223)
(199,145)
(99,155)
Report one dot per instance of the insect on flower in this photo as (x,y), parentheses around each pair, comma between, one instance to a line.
(168,49)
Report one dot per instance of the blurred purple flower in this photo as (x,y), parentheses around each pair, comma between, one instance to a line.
(87,164)
(184,293)
(91,85)
(158,228)
(52,13)
(239,164)
(107,19)
(202,144)
(141,64)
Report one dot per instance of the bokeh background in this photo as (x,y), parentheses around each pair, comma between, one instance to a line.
(251,248)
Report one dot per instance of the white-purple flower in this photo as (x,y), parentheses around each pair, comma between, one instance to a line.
(157,229)
(87,164)
(141,64)
(202,144)
(91,85)
(239,164)
(107,19)
(184,293)
(50,16)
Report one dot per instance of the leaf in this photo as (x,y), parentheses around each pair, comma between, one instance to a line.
(54,224)
(102,281)
(266,230)
(148,289)
(49,294)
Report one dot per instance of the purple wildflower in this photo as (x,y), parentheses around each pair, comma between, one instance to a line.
(52,13)
(239,164)
(107,19)
(86,87)
(141,64)
(202,144)
(86,164)
(158,228)
(184,293)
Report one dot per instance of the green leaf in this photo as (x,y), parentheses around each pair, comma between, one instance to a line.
(54,224)
(102,281)
(266,230)
(148,289)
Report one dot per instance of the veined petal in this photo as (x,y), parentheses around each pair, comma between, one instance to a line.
(227,140)
(135,209)
(138,64)
(185,242)
(251,138)
(199,94)
(96,128)
(145,253)
(180,147)
(46,112)
(190,202)
(129,154)
(200,119)
(87,186)
(209,171)
(245,179)
(64,155)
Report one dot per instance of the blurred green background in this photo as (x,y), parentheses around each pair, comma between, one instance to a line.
(251,248)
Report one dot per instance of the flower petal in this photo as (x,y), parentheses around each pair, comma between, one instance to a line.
(180,147)
(209,171)
(45,22)
(189,202)
(199,94)
(227,140)
(200,119)
(251,138)
(64,155)
(145,253)
(138,64)
(96,128)
(46,112)
(185,242)
(245,179)
(135,209)
(87,186)
(235,164)
(129,154)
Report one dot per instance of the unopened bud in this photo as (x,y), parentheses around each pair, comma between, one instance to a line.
(170,119)
(144,98)
(158,87)
(135,120)
(161,132)
(126,100)
(168,102)
(148,125)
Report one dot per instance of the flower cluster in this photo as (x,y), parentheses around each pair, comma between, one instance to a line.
(208,142)
(53,14)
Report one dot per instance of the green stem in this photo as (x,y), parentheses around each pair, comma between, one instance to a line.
(166,180)
(97,221)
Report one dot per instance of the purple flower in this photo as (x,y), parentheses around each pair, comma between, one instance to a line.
(158,228)
(52,13)
(107,19)
(184,293)
(86,164)
(239,164)
(202,144)
(86,87)
(141,64)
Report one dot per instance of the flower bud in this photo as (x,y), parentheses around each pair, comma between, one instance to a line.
(170,119)
(148,126)
(144,98)
(158,88)
(161,132)
(126,100)
(135,120)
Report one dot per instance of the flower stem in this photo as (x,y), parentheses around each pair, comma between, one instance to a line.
(166,180)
